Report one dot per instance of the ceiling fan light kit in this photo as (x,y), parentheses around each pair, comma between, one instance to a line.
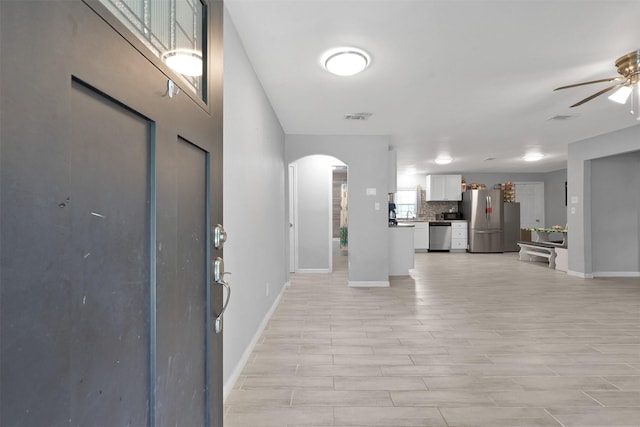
(621,95)
(629,69)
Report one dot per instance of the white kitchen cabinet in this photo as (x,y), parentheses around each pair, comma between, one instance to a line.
(459,236)
(443,188)
(421,237)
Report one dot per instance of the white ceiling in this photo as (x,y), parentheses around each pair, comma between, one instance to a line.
(471,79)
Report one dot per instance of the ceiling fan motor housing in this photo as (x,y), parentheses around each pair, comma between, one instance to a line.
(629,67)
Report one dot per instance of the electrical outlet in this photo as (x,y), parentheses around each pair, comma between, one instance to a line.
(267,290)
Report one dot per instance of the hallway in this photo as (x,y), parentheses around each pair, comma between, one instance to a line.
(465,340)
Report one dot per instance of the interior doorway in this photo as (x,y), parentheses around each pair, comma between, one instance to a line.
(318,214)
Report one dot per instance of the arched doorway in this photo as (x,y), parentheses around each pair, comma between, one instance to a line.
(318,224)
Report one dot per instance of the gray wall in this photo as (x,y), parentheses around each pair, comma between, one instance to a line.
(555,211)
(581,155)
(615,192)
(367,159)
(254,205)
(314,179)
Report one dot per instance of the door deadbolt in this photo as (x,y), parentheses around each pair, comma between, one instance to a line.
(219,236)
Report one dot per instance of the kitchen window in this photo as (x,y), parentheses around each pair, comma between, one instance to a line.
(406,203)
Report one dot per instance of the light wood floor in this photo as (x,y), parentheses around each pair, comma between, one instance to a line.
(465,340)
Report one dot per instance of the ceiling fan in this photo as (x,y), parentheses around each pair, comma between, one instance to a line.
(629,69)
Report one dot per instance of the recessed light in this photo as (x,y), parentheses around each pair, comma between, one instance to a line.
(443,160)
(345,61)
(533,157)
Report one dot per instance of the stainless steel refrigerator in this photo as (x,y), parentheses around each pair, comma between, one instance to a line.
(484,211)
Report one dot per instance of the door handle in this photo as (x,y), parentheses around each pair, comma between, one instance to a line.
(219,236)
(218,279)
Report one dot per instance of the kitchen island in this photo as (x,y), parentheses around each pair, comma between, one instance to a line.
(401,252)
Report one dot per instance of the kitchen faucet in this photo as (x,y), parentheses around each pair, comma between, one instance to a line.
(409,213)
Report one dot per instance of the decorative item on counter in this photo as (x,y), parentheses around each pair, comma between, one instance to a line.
(464,185)
(509,190)
(476,186)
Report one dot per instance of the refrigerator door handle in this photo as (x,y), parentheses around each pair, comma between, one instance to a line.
(486,208)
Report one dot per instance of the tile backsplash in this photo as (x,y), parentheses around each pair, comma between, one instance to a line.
(429,210)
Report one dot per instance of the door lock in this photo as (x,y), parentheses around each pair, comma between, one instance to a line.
(219,237)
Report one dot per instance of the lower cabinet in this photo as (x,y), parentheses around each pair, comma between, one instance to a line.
(459,236)
(421,237)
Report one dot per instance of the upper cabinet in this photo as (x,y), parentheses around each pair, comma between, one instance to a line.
(444,188)
(393,172)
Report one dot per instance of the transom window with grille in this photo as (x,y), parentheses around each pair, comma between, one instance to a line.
(174,30)
(406,201)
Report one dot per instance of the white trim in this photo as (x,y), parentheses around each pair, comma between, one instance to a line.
(233,378)
(579,274)
(330,230)
(313,271)
(616,274)
(293,217)
(369,284)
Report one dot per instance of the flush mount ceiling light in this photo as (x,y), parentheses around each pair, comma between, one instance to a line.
(443,160)
(533,157)
(345,61)
(184,61)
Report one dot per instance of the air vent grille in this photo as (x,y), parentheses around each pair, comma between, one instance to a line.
(562,117)
(357,116)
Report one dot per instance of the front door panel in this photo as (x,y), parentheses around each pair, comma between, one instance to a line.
(109,271)
(108,190)
(182,287)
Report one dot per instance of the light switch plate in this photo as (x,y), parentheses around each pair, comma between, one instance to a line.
(371,191)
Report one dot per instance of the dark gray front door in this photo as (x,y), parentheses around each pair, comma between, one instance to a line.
(109,188)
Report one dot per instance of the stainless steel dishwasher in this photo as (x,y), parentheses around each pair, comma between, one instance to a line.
(439,236)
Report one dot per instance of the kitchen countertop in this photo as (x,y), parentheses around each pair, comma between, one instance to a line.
(409,221)
(401,225)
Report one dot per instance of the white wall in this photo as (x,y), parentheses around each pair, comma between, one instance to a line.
(367,159)
(579,216)
(314,179)
(254,205)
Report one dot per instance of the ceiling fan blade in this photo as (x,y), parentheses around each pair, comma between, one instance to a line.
(605,90)
(588,83)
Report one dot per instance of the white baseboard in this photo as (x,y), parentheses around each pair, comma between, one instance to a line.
(368,284)
(231,382)
(313,270)
(579,274)
(616,274)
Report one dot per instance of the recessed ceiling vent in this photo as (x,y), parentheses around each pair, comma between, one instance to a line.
(562,117)
(357,116)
